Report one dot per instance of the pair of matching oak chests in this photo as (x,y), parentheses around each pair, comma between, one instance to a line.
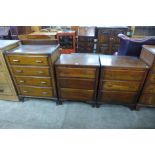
(40,71)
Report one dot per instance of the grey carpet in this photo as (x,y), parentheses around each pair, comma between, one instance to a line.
(44,114)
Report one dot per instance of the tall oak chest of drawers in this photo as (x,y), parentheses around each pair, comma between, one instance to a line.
(7,89)
(121,79)
(32,68)
(147,97)
(77,77)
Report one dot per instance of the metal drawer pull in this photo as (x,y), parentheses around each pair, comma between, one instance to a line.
(19,71)
(1,90)
(40,72)
(44,93)
(43,82)
(38,61)
(21,81)
(25,91)
(15,60)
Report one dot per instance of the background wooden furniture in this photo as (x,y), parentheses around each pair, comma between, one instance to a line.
(67,41)
(7,89)
(121,79)
(147,97)
(86,36)
(77,77)
(108,42)
(42,35)
(32,68)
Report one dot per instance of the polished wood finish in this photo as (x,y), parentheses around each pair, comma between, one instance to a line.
(121,79)
(147,97)
(108,42)
(7,88)
(86,36)
(32,68)
(77,77)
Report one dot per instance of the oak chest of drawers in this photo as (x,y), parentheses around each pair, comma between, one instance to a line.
(7,89)
(121,79)
(86,36)
(32,68)
(77,77)
(147,97)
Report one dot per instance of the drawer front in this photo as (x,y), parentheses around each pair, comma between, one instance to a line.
(76,94)
(77,83)
(36,91)
(3,78)
(76,72)
(84,38)
(31,71)
(114,96)
(34,81)
(150,88)
(28,60)
(148,99)
(108,74)
(5,89)
(120,85)
(151,78)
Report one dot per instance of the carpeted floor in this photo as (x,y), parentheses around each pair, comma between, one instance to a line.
(44,114)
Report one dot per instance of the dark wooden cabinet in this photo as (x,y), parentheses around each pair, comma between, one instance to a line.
(77,77)
(86,36)
(121,79)
(32,68)
(147,97)
(107,40)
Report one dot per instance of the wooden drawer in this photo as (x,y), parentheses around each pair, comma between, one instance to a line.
(36,91)
(5,89)
(34,81)
(147,99)
(28,60)
(114,96)
(120,85)
(109,74)
(31,71)
(3,78)
(149,88)
(76,72)
(76,94)
(151,78)
(77,83)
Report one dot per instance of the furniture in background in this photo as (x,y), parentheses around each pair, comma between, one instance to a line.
(32,68)
(77,77)
(121,80)
(107,39)
(5,33)
(7,89)
(132,46)
(19,30)
(85,43)
(66,40)
(147,97)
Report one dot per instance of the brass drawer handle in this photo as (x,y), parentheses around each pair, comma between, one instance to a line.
(19,71)
(16,61)
(40,72)
(43,82)
(21,81)
(25,91)
(39,61)
(1,90)
(44,93)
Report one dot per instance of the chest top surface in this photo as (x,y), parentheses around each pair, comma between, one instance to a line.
(150,48)
(122,61)
(78,59)
(34,49)
(5,43)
